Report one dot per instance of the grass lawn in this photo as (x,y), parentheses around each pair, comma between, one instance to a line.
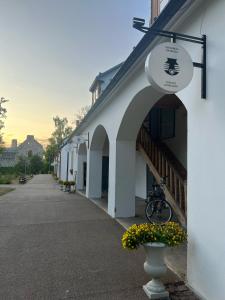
(8,178)
(4,190)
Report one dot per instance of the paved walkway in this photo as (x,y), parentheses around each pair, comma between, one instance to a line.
(55,245)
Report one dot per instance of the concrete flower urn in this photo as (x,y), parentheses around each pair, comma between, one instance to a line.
(155,267)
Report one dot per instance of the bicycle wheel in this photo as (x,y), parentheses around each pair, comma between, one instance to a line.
(158,211)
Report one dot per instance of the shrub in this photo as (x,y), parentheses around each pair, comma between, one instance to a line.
(6,179)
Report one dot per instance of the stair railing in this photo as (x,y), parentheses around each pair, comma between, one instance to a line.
(167,165)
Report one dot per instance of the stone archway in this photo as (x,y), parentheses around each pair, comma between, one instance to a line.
(122,198)
(98,165)
(127,149)
(82,167)
(162,142)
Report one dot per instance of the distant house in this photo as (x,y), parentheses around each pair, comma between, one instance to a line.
(8,157)
(29,147)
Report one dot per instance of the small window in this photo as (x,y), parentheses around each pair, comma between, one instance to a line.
(162,123)
(167,123)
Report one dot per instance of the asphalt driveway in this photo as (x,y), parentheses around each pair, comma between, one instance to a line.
(55,245)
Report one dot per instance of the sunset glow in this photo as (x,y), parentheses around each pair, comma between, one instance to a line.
(47,63)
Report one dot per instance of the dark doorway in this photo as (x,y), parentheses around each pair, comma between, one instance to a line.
(85,173)
(67,166)
(105,173)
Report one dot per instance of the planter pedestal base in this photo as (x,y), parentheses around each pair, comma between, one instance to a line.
(153,294)
(156,268)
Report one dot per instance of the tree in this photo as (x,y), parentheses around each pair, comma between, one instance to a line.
(29,165)
(82,113)
(2,116)
(62,131)
(36,164)
(50,152)
(22,166)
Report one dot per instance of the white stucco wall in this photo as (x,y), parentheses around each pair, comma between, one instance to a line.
(206,161)
(163,3)
(141,180)
(63,173)
(205,144)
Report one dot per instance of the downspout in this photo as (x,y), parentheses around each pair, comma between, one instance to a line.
(67,167)
(60,165)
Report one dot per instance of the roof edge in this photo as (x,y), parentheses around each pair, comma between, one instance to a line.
(98,77)
(167,14)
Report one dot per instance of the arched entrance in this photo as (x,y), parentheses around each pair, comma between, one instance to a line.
(160,146)
(162,142)
(152,143)
(82,167)
(98,165)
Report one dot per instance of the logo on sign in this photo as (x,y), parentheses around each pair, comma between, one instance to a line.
(171,67)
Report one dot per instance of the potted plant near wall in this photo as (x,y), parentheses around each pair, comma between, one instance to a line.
(61,184)
(154,238)
(72,186)
(66,186)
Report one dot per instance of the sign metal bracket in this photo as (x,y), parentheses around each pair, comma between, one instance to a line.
(174,36)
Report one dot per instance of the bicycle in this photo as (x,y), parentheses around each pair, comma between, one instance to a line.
(158,210)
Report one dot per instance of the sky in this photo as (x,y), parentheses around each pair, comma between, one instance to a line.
(51,51)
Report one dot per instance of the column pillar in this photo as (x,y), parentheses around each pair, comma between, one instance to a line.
(94,174)
(121,196)
(80,171)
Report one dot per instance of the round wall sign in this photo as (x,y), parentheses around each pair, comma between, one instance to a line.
(169,68)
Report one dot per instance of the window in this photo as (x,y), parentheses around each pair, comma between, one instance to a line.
(167,123)
(162,123)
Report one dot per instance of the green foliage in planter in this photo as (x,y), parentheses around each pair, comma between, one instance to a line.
(66,183)
(170,234)
(69,183)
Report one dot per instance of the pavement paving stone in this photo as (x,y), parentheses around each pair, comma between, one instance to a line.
(179,291)
(55,245)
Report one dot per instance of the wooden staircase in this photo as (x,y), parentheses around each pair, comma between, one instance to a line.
(163,163)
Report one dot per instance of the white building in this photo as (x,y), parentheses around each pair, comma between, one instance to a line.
(132,126)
